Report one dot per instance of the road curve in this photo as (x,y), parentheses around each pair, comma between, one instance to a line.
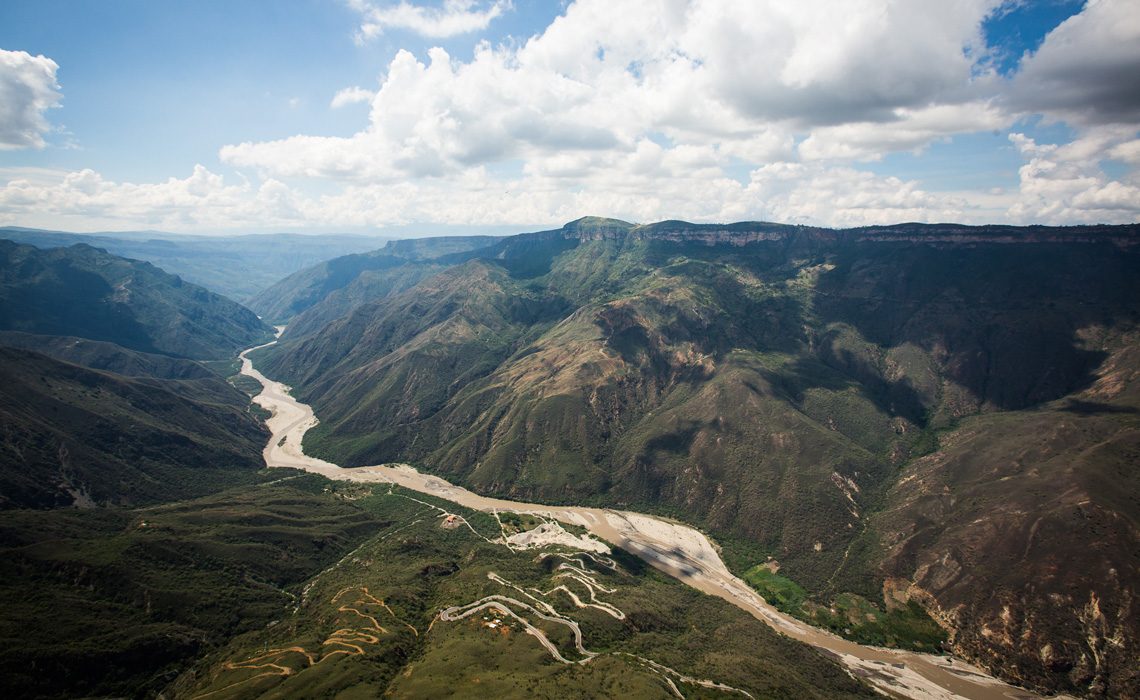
(678,550)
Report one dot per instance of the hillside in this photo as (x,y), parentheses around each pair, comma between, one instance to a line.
(302,587)
(774,384)
(86,292)
(1023,533)
(75,436)
(237,267)
(341,283)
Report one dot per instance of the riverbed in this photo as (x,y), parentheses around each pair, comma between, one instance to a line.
(678,550)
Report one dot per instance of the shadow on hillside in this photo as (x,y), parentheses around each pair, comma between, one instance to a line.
(1002,321)
(1092,408)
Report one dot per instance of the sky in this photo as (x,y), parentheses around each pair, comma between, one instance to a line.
(512,115)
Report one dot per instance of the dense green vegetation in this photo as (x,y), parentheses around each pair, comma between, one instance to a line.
(86,292)
(774,385)
(851,615)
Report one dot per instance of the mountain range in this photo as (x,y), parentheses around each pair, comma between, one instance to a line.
(909,420)
(917,436)
(87,292)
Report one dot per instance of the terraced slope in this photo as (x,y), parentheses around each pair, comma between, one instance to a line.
(439,604)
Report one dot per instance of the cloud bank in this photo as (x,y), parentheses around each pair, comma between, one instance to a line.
(709,110)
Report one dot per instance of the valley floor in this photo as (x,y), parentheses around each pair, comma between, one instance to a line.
(678,550)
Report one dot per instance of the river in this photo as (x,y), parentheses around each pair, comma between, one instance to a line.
(678,550)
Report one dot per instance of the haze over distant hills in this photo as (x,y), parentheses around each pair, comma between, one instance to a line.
(102,401)
(937,414)
(235,266)
(86,292)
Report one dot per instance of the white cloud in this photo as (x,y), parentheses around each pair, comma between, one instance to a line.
(201,200)
(1087,70)
(912,130)
(708,110)
(1129,152)
(454,17)
(744,78)
(28,88)
(351,95)
(644,185)
(1063,184)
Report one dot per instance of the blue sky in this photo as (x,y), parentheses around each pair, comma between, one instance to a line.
(223,116)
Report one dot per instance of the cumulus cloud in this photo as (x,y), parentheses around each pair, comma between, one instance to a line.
(1064,184)
(1087,70)
(912,130)
(709,110)
(743,78)
(454,17)
(28,88)
(351,95)
(201,200)
(637,187)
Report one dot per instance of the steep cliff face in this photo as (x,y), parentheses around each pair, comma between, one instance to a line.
(902,406)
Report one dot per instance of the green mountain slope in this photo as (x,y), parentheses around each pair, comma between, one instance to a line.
(768,382)
(347,281)
(117,602)
(72,435)
(86,292)
(301,587)
(98,354)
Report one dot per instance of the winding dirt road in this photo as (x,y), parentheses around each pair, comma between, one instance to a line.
(679,551)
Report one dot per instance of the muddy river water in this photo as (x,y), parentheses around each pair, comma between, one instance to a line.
(675,549)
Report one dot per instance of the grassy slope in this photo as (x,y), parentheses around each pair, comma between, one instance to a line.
(117,602)
(118,440)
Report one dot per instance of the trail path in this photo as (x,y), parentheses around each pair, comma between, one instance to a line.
(677,550)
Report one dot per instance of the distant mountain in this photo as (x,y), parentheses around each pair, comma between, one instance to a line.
(786,387)
(346,281)
(234,266)
(86,292)
(73,435)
